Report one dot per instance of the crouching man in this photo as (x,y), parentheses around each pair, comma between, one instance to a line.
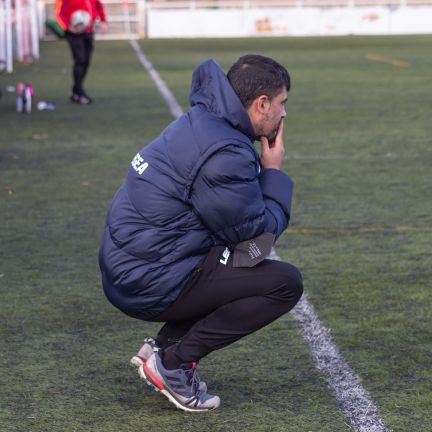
(188,232)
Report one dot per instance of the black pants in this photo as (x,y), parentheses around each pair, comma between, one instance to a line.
(221,304)
(81,45)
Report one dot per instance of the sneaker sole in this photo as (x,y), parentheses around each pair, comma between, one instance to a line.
(152,381)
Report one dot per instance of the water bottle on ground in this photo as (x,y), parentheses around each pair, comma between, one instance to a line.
(45,106)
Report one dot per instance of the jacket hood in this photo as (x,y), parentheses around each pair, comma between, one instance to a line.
(210,87)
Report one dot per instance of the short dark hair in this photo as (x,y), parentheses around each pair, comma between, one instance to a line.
(253,75)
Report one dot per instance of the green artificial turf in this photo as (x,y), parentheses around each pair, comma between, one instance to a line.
(358,139)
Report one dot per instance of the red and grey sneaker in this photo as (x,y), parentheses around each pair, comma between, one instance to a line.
(180,386)
(144,354)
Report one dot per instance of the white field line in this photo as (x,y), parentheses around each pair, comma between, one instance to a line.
(353,399)
(342,380)
(166,93)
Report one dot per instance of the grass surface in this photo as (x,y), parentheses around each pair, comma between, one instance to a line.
(359,147)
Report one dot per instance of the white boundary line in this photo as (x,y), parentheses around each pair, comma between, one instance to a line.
(342,380)
(353,399)
(361,412)
(166,93)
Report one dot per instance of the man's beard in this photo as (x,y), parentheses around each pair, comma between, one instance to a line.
(272,137)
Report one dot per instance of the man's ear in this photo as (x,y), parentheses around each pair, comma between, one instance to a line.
(262,104)
(258,110)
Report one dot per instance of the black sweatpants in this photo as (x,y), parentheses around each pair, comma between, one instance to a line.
(81,45)
(221,304)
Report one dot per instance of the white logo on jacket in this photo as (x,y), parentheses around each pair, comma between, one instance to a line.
(138,164)
(225,255)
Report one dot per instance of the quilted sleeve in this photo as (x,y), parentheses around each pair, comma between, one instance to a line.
(237,202)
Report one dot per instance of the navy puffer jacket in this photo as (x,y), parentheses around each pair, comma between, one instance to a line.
(197,185)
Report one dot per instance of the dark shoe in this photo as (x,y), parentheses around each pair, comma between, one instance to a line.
(82,99)
(85,99)
(74,98)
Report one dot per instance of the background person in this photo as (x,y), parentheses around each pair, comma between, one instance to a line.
(188,232)
(81,41)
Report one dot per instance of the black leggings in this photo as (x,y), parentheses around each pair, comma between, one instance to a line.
(221,304)
(81,45)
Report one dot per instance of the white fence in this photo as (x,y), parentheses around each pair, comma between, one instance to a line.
(245,18)
(19,32)
(247,4)
(289,21)
(22,22)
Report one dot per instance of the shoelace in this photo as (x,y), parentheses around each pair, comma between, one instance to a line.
(194,378)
